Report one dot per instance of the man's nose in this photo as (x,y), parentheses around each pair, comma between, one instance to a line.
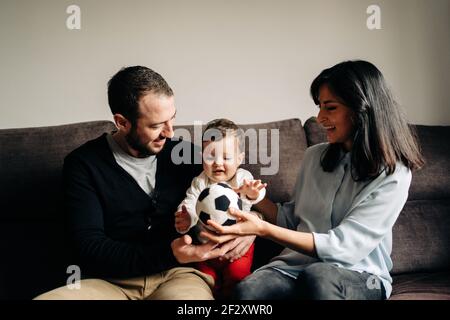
(168,130)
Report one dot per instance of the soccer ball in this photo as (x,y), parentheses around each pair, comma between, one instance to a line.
(213,203)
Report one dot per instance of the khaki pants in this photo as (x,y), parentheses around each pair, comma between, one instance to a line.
(175,284)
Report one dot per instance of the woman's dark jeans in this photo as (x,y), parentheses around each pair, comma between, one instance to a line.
(318,281)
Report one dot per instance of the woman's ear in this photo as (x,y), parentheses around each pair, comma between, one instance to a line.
(122,123)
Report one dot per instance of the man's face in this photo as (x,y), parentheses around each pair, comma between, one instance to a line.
(154,124)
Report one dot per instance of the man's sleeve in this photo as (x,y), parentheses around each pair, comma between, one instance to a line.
(100,255)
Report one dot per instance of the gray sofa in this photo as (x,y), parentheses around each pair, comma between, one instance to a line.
(34,254)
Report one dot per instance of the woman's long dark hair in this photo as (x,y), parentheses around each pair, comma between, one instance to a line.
(382,136)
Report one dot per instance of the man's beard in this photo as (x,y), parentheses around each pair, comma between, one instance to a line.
(134,142)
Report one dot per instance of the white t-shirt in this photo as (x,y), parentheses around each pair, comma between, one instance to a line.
(143,170)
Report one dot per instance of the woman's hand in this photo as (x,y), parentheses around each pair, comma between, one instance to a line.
(239,247)
(248,224)
(236,246)
(212,236)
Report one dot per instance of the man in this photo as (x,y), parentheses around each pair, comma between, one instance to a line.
(121,193)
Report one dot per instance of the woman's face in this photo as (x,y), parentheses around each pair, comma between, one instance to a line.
(336,118)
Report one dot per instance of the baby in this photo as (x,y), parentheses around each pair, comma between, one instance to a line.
(222,155)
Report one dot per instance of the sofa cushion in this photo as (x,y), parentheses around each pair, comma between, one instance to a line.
(35,258)
(32,233)
(433,180)
(292,146)
(421,240)
(30,166)
(421,286)
(315,133)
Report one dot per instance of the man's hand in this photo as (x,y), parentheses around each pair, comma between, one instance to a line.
(182,220)
(239,247)
(185,252)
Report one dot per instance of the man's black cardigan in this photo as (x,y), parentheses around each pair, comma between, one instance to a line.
(118,230)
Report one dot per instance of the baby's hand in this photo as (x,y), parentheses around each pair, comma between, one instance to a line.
(251,189)
(182,220)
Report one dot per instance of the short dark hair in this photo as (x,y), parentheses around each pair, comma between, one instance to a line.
(128,85)
(382,135)
(218,129)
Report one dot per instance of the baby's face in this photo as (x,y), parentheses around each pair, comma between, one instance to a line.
(222,158)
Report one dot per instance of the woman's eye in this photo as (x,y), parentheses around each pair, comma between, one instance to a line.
(327,108)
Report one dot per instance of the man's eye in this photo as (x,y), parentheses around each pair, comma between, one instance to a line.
(330,108)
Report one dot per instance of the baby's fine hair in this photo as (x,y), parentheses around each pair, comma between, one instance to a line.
(218,129)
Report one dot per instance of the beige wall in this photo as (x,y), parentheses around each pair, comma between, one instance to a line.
(248,60)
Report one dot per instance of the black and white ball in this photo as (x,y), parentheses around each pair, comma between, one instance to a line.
(213,203)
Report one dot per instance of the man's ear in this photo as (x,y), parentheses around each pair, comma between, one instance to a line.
(122,123)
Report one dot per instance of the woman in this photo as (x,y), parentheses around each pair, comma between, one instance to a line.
(349,192)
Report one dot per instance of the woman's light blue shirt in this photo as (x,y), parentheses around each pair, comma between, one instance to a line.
(351,221)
